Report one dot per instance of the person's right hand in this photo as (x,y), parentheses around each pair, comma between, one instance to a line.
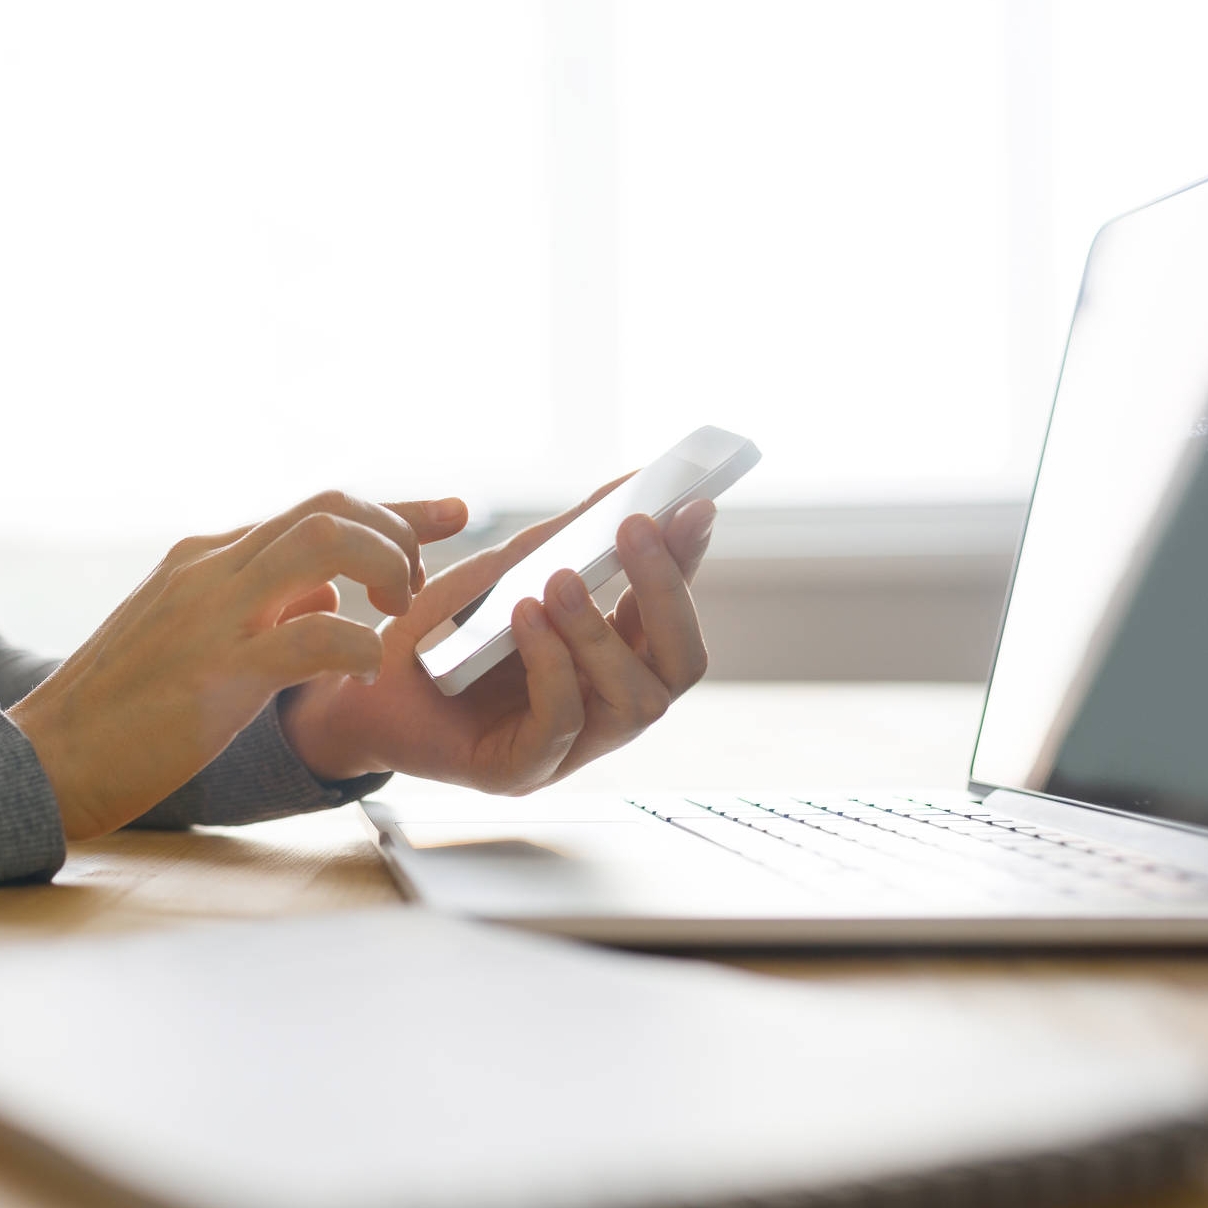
(202,645)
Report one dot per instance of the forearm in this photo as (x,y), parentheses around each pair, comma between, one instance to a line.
(257,777)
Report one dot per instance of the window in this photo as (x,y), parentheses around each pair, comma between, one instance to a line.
(251,249)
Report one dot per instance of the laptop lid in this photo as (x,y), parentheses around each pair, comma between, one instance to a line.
(1097,693)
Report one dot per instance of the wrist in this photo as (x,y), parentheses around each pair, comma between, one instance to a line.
(316,720)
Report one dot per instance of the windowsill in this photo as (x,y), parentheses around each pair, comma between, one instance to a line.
(874,592)
(784,545)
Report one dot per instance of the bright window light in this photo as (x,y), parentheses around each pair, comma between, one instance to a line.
(254,249)
(813,238)
(503,248)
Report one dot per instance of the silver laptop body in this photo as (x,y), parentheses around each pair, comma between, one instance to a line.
(1086,815)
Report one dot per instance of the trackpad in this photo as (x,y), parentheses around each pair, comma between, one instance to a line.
(517,870)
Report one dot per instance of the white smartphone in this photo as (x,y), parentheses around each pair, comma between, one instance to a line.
(701,466)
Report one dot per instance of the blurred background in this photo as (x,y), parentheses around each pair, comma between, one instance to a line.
(508,249)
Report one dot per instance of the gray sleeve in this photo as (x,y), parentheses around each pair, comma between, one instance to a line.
(32,847)
(256,778)
(20,672)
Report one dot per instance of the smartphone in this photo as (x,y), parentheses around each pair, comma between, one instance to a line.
(701,466)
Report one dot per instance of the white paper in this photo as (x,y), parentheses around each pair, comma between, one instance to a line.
(394,1057)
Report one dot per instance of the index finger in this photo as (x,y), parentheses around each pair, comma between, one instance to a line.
(407,525)
(657,610)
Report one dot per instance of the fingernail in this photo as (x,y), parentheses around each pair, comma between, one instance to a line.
(572,595)
(534,615)
(368,678)
(443,509)
(643,535)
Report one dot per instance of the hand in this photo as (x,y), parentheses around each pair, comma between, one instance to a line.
(220,627)
(579,685)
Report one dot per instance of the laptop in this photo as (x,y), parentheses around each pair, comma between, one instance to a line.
(1085,819)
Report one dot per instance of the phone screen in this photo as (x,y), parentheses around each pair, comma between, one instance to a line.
(587,539)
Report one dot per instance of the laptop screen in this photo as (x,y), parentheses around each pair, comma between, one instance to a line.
(1099,691)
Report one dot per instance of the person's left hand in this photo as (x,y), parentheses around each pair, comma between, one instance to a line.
(580,684)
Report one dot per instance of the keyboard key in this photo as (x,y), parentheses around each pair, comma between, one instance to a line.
(728,806)
(800,863)
(855,809)
(669,807)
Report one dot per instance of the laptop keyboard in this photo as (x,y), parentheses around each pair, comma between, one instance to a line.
(896,845)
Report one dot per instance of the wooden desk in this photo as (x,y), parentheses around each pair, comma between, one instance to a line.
(779,735)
